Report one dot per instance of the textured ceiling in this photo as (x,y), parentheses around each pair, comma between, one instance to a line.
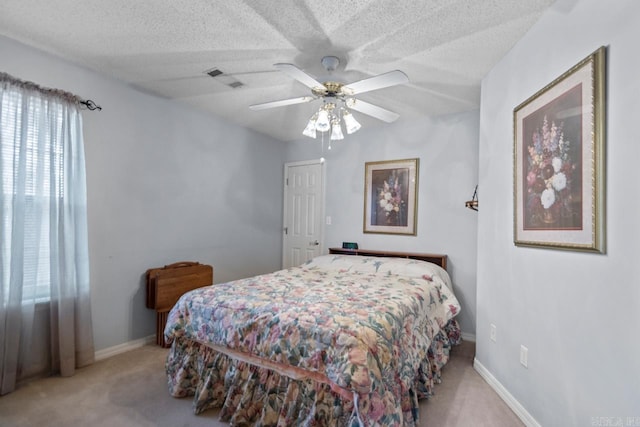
(166,47)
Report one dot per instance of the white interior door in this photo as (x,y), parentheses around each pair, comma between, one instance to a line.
(303,230)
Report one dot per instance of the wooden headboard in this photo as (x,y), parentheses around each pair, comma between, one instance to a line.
(437,259)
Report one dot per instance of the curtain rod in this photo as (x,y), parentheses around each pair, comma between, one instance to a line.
(90,105)
(68,96)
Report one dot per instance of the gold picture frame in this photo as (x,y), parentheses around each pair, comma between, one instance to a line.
(559,183)
(391,197)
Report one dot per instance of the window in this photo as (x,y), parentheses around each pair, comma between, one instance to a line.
(32,178)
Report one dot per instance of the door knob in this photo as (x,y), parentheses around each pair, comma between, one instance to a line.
(314,243)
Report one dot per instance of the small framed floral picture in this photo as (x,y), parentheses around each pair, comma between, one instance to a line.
(391,196)
(559,136)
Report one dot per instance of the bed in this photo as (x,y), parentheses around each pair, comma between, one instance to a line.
(346,339)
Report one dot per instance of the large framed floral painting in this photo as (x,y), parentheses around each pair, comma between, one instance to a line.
(391,196)
(559,136)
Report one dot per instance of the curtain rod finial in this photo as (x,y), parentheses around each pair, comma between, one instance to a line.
(91,105)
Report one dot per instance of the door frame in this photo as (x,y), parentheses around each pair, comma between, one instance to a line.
(285,210)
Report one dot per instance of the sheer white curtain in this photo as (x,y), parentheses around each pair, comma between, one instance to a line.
(44,255)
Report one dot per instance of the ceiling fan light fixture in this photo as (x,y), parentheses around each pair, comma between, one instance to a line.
(310,130)
(336,131)
(323,123)
(338,99)
(350,122)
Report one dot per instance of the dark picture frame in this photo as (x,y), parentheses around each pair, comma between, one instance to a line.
(391,197)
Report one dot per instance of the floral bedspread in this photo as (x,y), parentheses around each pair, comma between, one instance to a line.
(366,324)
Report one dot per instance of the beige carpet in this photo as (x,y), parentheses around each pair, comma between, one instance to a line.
(130,390)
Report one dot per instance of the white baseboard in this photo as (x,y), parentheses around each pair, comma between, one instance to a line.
(468,337)
(121,348)
(504,394)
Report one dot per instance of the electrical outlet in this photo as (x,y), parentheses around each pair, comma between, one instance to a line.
(493,332)
(524,356)
(328,220)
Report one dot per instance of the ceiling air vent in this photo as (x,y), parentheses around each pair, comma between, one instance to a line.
(224,78)
(214,72)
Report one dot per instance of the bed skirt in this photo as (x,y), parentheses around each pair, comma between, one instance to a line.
(253,395)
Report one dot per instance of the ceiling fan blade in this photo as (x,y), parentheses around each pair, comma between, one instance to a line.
(372,110)
(380,81)
(296,73)
(281,103)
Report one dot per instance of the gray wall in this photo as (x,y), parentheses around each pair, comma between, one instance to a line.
(447,147)
(166,183)
(577,313)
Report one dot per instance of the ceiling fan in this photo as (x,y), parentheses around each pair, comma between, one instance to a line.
(337,98)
